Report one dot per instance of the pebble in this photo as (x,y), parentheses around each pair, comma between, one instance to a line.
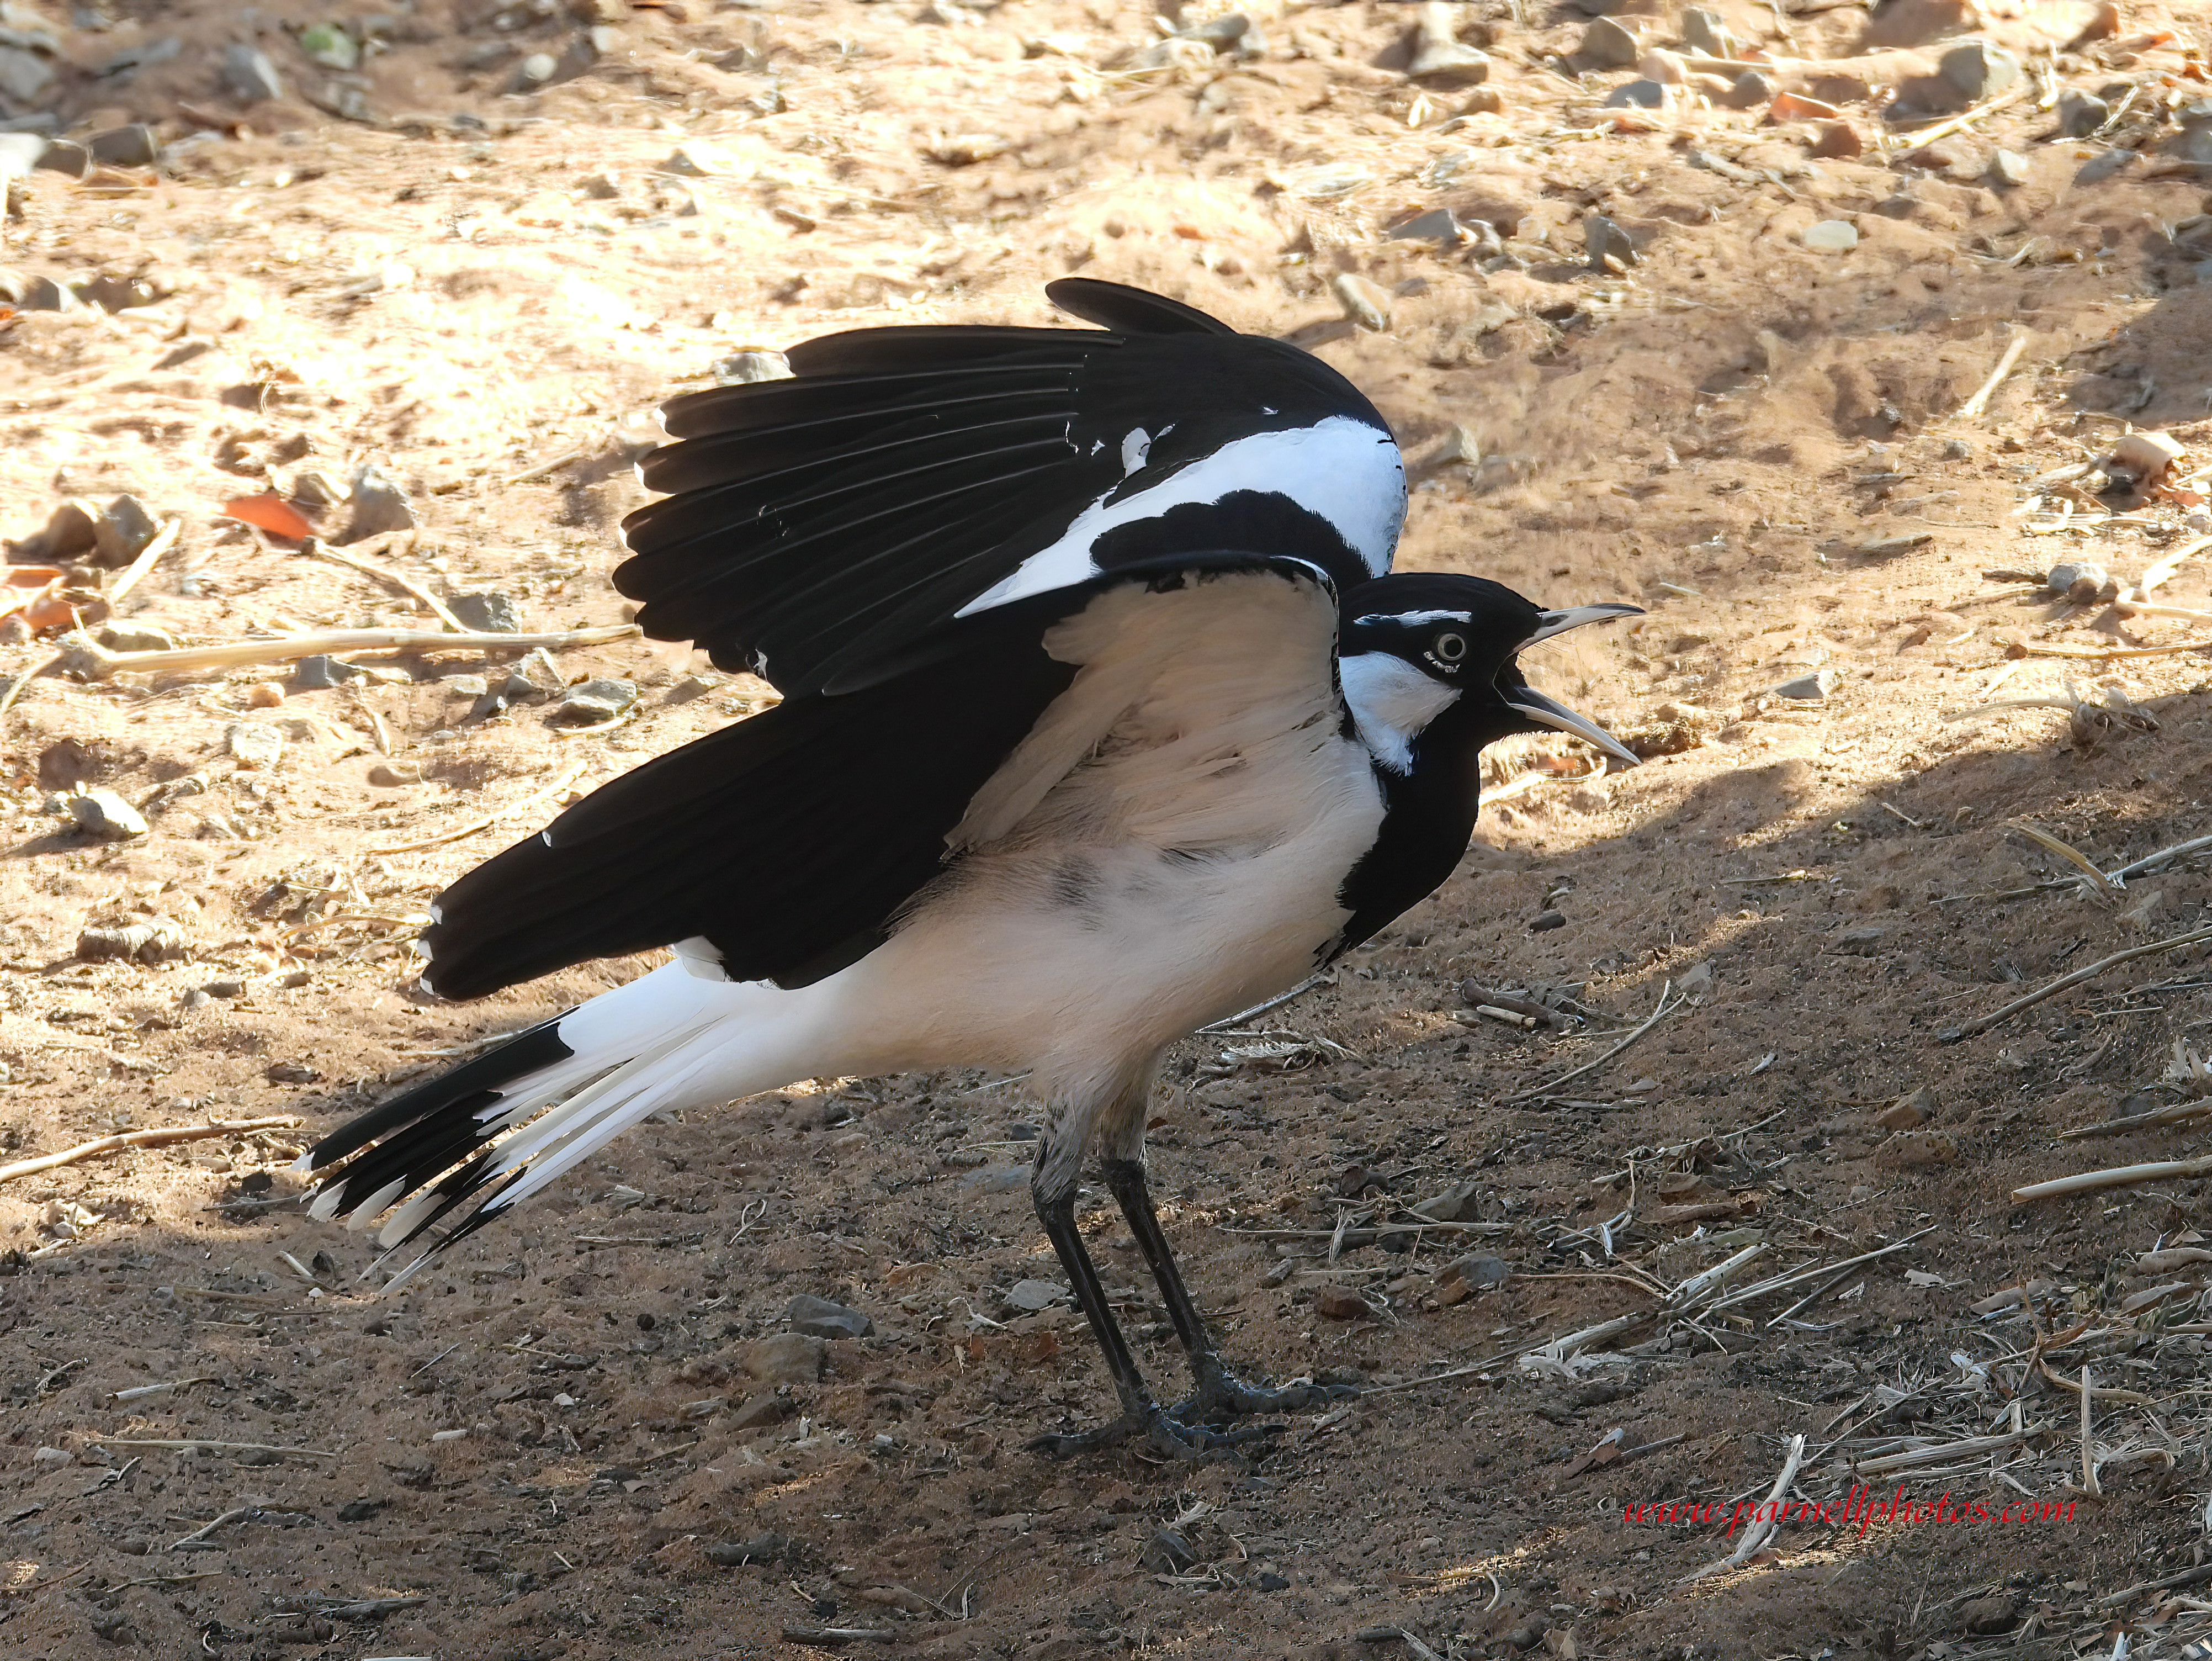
(2007,168)
(819,1317)
(380,505)
(23,74)
(1337,1302)
(490,613)
(1268,1581)
(697,159)
(2098,169)
(1977,70)
(1609,45)
(1639,95)
(758,1412)
(2079,114)
(1232,33)
(1167,1552)
(264,695)
(1828,236)
(1753,88)
(1608,245)
(1704,33)
(1908,1112)
(1439,54)
(784,1358)
(598,700)
(321,672)
(536,69)
(467,686)
(391,774)
(1810,687)
(1912,1149)
(106,815)
(121,531)
(1031,1296)
(1367,304)
(1837,140)
(1477,1270)
(253,744)
(330,46)
(1544,921)
(1665,67)
(150,939)
(743,369)
(1861,940)
(761,1549)
(135,637)
(249,76)
(134,146)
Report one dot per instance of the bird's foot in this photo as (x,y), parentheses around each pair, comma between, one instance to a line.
(1171,1435)
(1221,1394)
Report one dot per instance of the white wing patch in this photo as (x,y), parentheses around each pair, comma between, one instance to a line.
(1136,444)
(1340,468)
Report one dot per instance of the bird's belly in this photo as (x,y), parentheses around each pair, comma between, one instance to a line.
(1067,957)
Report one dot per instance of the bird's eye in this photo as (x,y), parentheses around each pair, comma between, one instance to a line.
(1448,648)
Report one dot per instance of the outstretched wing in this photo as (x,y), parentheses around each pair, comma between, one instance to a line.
(790,842)
(817,527)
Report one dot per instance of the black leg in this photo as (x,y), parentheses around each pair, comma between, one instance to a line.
(1220,1393)
(1141,1416)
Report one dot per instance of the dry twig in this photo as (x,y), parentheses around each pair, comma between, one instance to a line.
(161,1137)
(487,819)
(1974,406)
(1762,1529)
(1983,1023)
(86,657)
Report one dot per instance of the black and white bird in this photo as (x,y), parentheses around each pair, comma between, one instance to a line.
(1103,721)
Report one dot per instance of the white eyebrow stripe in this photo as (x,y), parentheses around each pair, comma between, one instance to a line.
(1416,617)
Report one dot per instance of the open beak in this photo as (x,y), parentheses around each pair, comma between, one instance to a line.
(1548,712)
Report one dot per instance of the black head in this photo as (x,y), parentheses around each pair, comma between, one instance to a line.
(1420,649)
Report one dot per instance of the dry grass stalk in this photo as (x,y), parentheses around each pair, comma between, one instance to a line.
(161,1137)
(1975,406)
(1983,1023)
(1668,1005)
(1762,1529)
(385,574)
(488,820)
(2098,883)
(2088,1182)
(86,657)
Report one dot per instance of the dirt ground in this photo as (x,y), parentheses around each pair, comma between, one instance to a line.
(479,278)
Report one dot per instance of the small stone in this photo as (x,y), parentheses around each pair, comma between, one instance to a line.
(253,744)
(320,673)
(330,46)
(1268,1581)
(1439,54)
(1166,1553)
(743,369)
(1460,1203)
(313,489)
(784,1358)
(1917,23)
(122,532)
(594,701)
(1609,245)
(697,158)
(2097,168)
(359,1511)
(380,505)
(536,677)
(490,613)
(1367,304)
(1031,1296)
(1665,67)
(1608,44)
(1544,921)
(1477,1270)
(23,74)
(69,530)
(264,695)
(467,686)
(1828,236)
(135,637)
(1640,95)
(1977,70)
(249,76)
(1436,225)
(1753,90)
(1810,688)
(1863,941)
(146,940)
(2079,114)
(536,69)
(1704,34)
(761,1549)
(2007,168)
(1908,1112)
(394,774)
(1337,1302)
(134,146)
(1916,1149)
(106,815)
(819,1317)
(1837,140)
(758,1412)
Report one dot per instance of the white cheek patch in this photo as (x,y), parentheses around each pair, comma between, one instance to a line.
(1391,701)
(1341,469)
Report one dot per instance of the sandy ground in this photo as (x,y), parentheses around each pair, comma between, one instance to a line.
(570,1441)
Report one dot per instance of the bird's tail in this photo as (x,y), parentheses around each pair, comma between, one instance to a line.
(491,1132)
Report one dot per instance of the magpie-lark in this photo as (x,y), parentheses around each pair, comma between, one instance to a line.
(1101,722)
